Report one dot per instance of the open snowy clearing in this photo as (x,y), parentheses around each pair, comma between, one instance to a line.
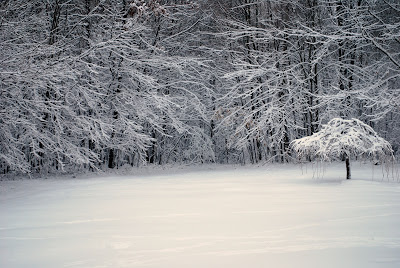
(272,216)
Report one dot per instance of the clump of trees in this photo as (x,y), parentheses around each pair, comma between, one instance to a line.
(87,84)
(344,139)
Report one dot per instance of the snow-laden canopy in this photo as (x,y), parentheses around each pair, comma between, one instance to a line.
(340,137)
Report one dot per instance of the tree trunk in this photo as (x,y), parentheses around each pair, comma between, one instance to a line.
(348,174)
(111,158)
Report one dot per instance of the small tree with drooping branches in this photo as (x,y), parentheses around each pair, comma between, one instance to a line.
(344,139)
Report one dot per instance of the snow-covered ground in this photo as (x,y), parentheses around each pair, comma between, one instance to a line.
(271,216)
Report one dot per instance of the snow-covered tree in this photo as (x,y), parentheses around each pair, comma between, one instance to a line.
(89,83)
(94,83)
(343,139)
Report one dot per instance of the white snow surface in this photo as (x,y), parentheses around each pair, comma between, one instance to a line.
(268,216)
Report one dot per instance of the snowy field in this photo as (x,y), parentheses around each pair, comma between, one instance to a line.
(208,217)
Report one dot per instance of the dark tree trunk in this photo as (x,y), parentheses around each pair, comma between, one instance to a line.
(348,174)
(111,158)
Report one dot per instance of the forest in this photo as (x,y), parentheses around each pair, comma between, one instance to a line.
(93,84)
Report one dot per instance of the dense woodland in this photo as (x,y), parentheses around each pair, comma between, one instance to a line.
(91,84)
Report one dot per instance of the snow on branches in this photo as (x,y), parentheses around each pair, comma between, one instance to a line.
(343,138)
(139,7)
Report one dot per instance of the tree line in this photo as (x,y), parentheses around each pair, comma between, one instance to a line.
(88,84)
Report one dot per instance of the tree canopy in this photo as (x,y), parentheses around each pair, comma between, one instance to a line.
(344,139)
(340,137)
(87,84)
